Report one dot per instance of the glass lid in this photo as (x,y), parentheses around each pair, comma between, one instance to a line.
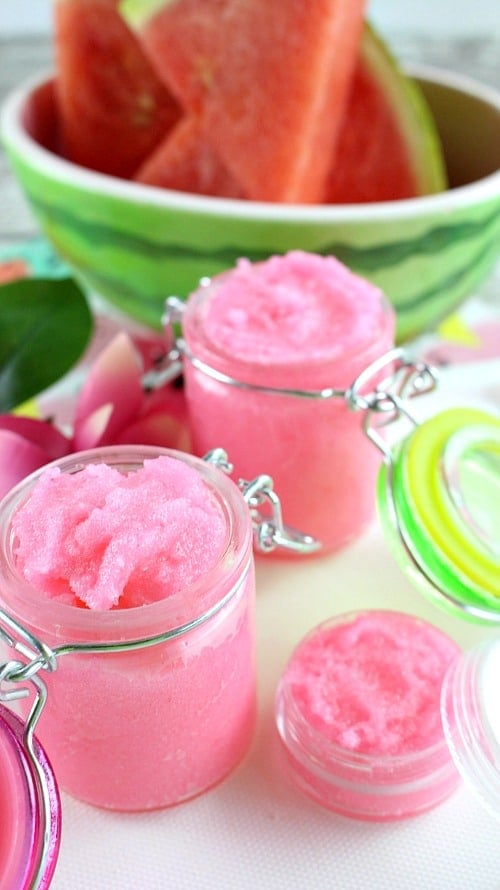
(439,501)
(30,811)
(470,709)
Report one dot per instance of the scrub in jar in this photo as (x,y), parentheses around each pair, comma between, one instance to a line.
(297,322)
(120,545)
(358,711)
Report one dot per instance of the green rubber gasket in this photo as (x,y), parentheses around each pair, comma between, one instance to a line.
(418,558)
(423,485)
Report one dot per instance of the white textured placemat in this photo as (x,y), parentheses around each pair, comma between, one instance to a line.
(253,831)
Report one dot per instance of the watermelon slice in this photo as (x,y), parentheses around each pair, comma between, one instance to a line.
(185,161)
(268,81)
(113,108)
(388,148)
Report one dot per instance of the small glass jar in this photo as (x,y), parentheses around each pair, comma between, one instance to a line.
(290,418)
(132,722)
(375,711)
(30,810)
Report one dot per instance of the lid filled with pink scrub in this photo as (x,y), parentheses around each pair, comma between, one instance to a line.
(30,809)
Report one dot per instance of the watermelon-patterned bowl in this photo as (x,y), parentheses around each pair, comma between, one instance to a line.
(136,244)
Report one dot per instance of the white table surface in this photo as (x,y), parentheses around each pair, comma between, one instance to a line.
(253,831)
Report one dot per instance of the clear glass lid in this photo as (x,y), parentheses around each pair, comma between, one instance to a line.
(439,501)
(470,708)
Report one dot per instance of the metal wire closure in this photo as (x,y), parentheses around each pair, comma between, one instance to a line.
(386,402)
(14,675)
(404,377)
(264,504)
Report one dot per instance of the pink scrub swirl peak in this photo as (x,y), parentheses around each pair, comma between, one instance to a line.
(264,343)
(101,554)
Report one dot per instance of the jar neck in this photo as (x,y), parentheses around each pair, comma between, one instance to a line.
(335,368)
(58,623)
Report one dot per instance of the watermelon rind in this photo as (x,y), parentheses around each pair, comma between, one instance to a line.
(417,126)
(135,12)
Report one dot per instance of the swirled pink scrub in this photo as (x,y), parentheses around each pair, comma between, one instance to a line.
(128,548)
(294,308)
(365,690)
(300,322)
(114,540)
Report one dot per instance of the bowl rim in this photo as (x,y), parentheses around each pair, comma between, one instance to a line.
(15,138)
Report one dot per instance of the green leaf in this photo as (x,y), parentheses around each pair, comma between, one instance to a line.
(45,325)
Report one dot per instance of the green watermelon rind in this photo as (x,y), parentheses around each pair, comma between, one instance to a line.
(136,12)
(136,256)
(417,126)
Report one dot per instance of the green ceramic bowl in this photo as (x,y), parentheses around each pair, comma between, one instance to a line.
(135,245)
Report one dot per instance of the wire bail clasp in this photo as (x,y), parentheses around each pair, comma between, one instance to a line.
(400,378)
(264,504)
(19,677)
(170,365)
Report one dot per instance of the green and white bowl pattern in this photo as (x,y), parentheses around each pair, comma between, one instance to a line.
(135,245)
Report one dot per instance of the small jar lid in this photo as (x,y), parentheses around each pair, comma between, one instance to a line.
(30,810)
(439,501)
(470,711)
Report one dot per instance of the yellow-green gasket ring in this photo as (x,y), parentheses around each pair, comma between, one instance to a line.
(423,482)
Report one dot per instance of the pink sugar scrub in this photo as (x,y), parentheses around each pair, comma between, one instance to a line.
(118,545)
(117,540)
(298,308)
(294,322)
(359,715)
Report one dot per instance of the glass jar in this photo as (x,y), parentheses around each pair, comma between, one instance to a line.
(291,417)
(150,705)
(376,710)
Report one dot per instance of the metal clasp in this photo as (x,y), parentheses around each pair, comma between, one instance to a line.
(170,365)
(385,402)
(16,674)
(36,656)
(264,505)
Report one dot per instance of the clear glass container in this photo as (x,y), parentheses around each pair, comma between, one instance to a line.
(30,810)
(361,776)
(130,722)
(290,419)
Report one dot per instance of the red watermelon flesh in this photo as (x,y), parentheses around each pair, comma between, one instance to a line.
(113,107)
(263,77)
(388,148)
(185,161)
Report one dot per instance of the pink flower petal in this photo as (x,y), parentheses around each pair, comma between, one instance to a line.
(114,379)
(18,458)
(170,399)
(40,432)
(158,429)
(92,431)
